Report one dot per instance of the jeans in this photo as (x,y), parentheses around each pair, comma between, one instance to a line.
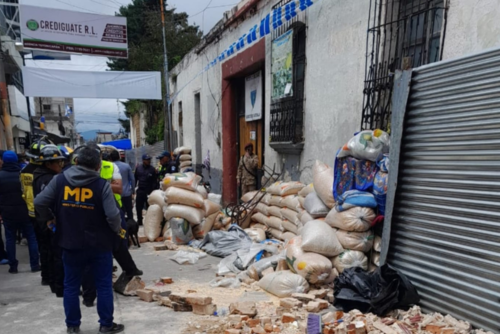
(101,265)
(3,253)
(11,236)
(127,207)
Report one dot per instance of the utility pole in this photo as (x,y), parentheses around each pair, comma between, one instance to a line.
(167,133)
(5,102)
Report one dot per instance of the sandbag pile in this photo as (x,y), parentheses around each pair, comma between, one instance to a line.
(278,210)
(185,158)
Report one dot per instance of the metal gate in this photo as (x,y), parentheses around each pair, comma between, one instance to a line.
(443,214)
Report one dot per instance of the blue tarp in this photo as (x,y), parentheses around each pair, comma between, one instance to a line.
(122,144)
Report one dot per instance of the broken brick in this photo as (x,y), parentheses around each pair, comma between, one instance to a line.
(145,295)
(290,303)
(253,322)
(160,247)
(209,309)
(303,297)
(265,320)
(287,318)
(143,240)
(328,318)
(232,331)
(198,300)
(164,301)
(258,330)
(134,285)
(319,294)
(323,304)
(313,307)
(268,328)
(243,308)
(167,280)
(182,307)
(178,298)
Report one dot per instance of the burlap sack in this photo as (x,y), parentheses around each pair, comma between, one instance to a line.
(292,202)
(275,188)
(186,157)
(313,267)
(356,219)
(318,237)
(260,218)
(350,259)
(174,195)
(192,215)
(181,231)
(275,222)
(262,208)
(256,234)
(289,226)
(188,181)
(291,216)
(152,222)
(157,197)
(283,284)
(211,207)
(357,241)
(249,196)
(323,183)
(315,206)
(274,211)
(182,150)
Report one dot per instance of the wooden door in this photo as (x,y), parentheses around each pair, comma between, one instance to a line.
(251,132)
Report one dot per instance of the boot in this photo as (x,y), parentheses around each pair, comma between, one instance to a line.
(72,330)
(115,328)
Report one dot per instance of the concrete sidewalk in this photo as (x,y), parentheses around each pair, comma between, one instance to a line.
(27,307)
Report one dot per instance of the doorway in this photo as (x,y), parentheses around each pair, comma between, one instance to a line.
(197,128)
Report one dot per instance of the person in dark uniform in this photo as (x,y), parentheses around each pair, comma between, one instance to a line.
(167,165)
(52,162)
(146,180)
(87,223)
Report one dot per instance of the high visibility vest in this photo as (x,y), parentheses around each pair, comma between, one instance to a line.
(27,184)
(107,169)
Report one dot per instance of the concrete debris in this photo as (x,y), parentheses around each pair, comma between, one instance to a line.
(243,308)
(145,295)
(135,284)
(167,280)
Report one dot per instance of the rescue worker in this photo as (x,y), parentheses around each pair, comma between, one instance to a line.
(27,176)
(247,170)
(128,183)
(67,153)
(146,179)
(167,165)
(52,162)
(14,212)
(87,222)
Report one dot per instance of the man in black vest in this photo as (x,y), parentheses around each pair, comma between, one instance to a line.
(146,179)
(87,222)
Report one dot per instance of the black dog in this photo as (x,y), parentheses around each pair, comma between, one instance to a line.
(132,230)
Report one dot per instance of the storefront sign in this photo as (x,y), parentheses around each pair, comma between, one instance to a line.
(282,66)
(253,97)
(73,32)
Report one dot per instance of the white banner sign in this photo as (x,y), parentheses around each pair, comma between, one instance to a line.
(42,82)
(253,97)
(73,32)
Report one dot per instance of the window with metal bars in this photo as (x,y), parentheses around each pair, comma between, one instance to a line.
(402,34)
(286,119)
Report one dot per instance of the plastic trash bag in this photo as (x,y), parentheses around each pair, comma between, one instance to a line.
(353,198)
(367,145)
(185,257)
(232,283)
(378,292)
(224,243)
(226,265)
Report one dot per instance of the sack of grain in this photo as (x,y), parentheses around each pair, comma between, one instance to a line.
(186,157)
(186,164)
(259,226)
(290,215)
(315,206)
(274,211)
(157,197)
(256,234)
(289,226)
(333,275)
(323,182)
(260,218)
(262,208)
(181,231)
(182,150)
(350,259)
(199,231)
(293,250)
(283,284)
(319,237)
(167,231)
(152,222)
(287,236)
(377,244)
(306,190)
(275,222)
(188,181)
(285,188)
(210,221)
(174,195)
(202,191)
(249,196)
(210,207)
(216,198)
(305,217)
(376,259)
(313,267)
(277,234)
(266,199)
(357,219)
(192,215)
(302,200)
(292,202)
(358,241)
(276,201)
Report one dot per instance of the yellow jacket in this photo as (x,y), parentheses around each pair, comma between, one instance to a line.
(27,184)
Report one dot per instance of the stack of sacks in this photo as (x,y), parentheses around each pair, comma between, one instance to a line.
(154,215)
(353,216)
(185,158)
(185,206)
(377,248)
(304,192)
(279,210)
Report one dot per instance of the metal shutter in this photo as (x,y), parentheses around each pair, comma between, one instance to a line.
(445,230)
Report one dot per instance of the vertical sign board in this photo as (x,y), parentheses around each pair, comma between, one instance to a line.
(282,66)
(73,32)
(253,97)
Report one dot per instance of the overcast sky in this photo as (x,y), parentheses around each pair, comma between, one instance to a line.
(102,114)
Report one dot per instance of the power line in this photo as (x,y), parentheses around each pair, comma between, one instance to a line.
(104,4)
(85,9)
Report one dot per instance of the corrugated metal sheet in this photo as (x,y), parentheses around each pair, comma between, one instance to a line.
(445,231)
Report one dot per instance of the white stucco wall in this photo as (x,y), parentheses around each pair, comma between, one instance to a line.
(336,40)
(472,26)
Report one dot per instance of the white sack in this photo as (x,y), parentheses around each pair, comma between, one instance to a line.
(313,267)
(256,234)
(377,244)
(305,217)
(188,181)
(152,222)
(174,195)
(186,157)
(291,216)
(246,198)
(182,150)
(202,191)
(157,197)
(274,211)
(357,241)
(323,183)
(292,202)
(283,284)
(357,219)
(315,206)
(350,259)
(319,237)
(185,164)
(262,208)
(192,215)
(293,250)
(211,207)
(306,190)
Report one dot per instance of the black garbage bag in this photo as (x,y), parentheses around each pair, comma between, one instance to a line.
(378,292)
